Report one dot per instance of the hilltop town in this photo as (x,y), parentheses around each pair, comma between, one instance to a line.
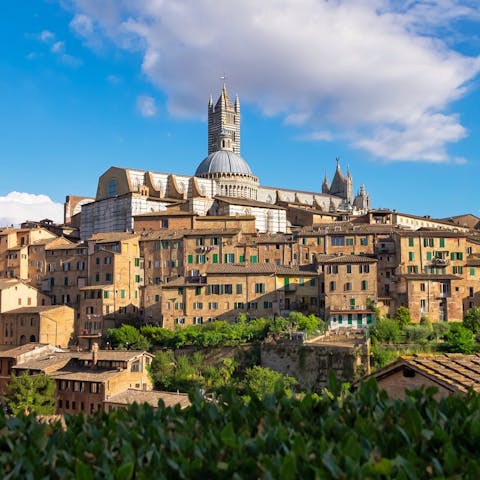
(171,250)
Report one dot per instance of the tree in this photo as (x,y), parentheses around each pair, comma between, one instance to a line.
(386,330)
(260,381)
(471,319)
(459,339)
(402,316)
(31,394)
(128,337)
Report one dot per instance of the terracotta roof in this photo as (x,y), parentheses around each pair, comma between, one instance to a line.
(321,258)
(473,261)
(259,268)
(152,397)
(84,374)
(108,237)
(37,309)
(273,238)
(12,351)
(454,371)
(247,202)
(431,276)
(165,213)
(11,282)
(97,287)
(114,355)
(208,218)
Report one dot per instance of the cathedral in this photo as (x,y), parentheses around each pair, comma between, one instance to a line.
(223,184)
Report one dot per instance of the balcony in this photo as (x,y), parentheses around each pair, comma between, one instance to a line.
(440,262)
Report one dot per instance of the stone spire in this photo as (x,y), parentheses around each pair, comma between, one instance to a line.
(224,117)
(325,184)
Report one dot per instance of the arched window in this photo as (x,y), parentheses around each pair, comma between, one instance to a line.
(32,338)
(112,189)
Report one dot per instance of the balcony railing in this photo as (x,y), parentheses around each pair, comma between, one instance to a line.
(440,262)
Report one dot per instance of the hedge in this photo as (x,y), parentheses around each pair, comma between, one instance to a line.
(358,436)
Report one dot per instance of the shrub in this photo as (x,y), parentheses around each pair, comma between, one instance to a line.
(459,339)
(386,330)
(365,435)
(416,333)
(402,316)
(471,319)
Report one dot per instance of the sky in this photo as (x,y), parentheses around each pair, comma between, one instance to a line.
(390,87)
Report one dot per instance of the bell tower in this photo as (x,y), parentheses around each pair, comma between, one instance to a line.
(224,121)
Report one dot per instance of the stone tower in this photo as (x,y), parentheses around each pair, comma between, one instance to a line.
(223,122)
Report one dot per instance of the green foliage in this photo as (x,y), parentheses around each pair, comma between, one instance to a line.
(439,330)
(416,334)
(364,436)
(402,316)
(307,323)
(382,356)
(459,339)
(129,337)
(386,330)
(222,333)
(426,323)
(260,382)
(471,319)
(190,372)
(31,394)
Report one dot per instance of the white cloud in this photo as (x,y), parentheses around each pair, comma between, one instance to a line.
(146,106)
(319,136)
(46,36)
(375,72)
(82,25)
(17,207)
(113,79)
(58,47)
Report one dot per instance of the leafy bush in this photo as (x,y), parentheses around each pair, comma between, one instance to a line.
(459,339)
(386,330)
(366,435)
(31,394)
(416,333)
(402,316)
(127,336)
(382,356)
(471,319)
(260,382)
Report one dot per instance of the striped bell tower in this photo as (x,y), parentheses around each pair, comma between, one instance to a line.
(224,120)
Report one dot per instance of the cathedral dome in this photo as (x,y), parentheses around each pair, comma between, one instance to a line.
(223,161)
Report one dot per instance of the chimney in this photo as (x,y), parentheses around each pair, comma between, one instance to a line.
(94,354)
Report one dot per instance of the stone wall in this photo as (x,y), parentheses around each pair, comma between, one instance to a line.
(310,363)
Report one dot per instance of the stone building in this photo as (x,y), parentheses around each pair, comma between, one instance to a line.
(44,324)
(223,184)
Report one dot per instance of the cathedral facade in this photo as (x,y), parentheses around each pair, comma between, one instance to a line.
(223,184)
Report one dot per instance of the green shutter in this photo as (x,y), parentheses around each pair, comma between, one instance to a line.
(350,318)
(429,255)
(442,242)
(190,259)
(242,258)
(215,258)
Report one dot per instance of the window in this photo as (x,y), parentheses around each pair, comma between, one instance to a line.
(312,282)
(190,259)
(349,268)
(252,305)
(338,241)
(179,321)
(215,258)
(457,270)
(411,256)
(198,290)
(363,241)
(122,293)
(105,294)
(267,305)
(213,305)
(364,268)
(364,285)
(423,305)
(259,288)
(347,287)
(429,256)
(422,287)
(228,288)
(199,242)
(239,289)
(179,306)
(412,269)
(350,241)
(197,305)
(112,189)
(229,258)
(197,320)
(107,260)
(137,278)
(332,268)
(200,259)
(157,298)
(253,259)
(215,241)
(180,290)
(410,242)
(471,271)
(108,277)
(239,305)
(442,243)
(333,286)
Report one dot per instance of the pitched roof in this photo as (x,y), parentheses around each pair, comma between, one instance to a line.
(326,258)
(36,309)
(247,202)
(151,397)
(259,268)
(453,371)
(108,237)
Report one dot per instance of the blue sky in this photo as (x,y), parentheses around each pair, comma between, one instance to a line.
(391,87)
